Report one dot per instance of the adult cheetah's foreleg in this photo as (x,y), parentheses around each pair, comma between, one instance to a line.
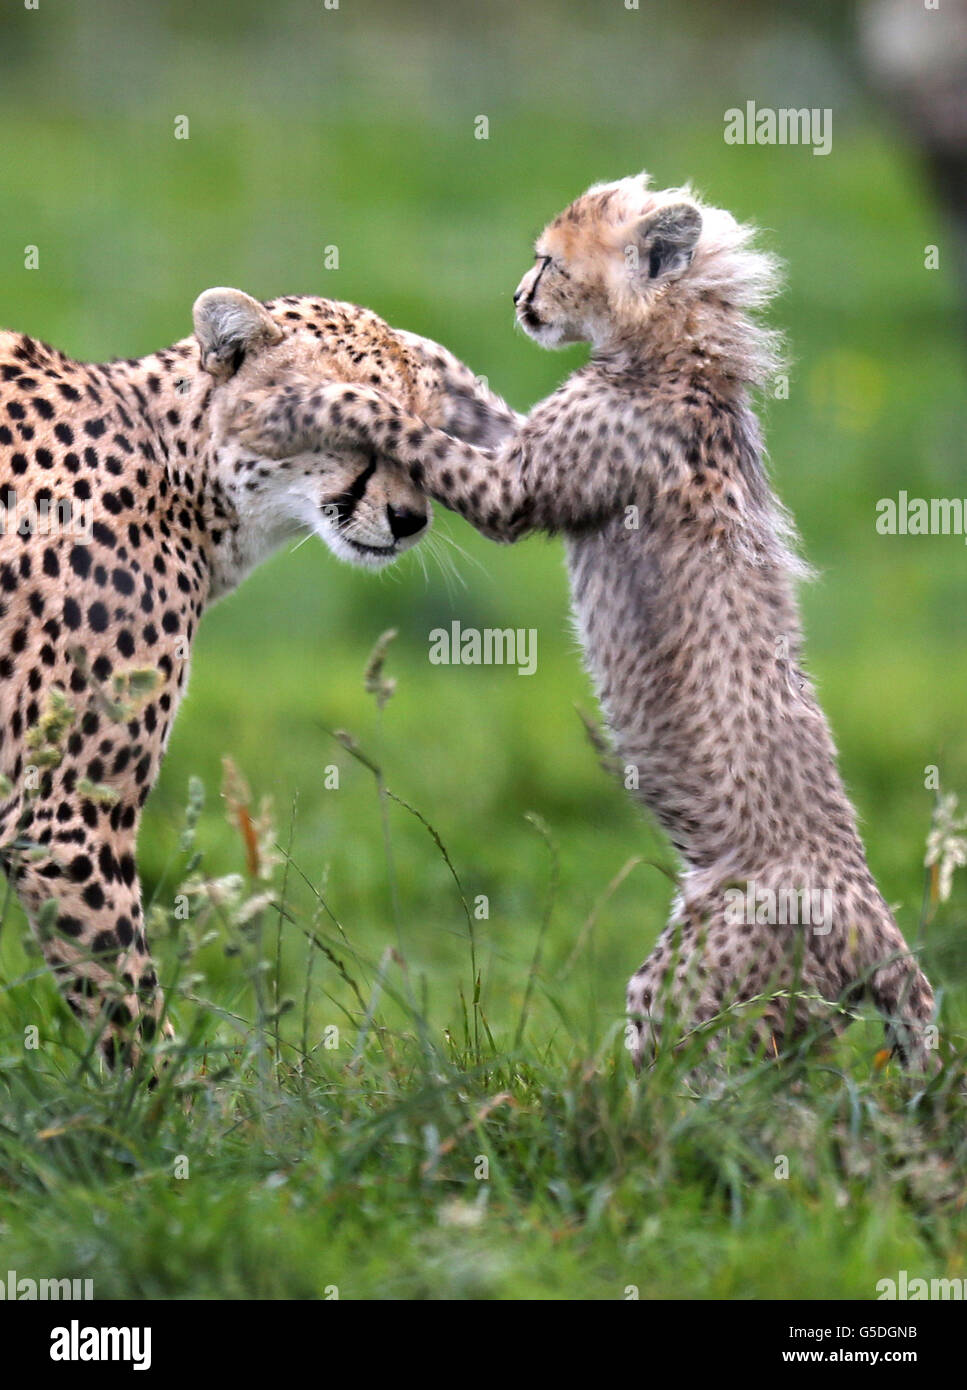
(84,904)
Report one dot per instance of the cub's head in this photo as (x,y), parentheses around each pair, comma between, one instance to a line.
(605,264)
(365,509)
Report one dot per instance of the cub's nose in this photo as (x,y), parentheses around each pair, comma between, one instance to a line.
(527,284)
(404,522)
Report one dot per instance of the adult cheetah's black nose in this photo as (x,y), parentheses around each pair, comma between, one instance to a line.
(404,522)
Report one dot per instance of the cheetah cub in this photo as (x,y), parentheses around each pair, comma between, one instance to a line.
(648,461)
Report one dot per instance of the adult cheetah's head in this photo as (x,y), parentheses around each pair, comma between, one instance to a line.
(366,510)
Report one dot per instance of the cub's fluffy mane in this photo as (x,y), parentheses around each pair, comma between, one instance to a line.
(713,303)
(711,306)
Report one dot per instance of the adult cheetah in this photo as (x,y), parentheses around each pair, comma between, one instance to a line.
(648,460)
(126,507)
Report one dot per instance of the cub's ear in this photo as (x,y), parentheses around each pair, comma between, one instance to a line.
(228,326)
(666,239)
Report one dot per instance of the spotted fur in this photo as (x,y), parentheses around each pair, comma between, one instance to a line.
(156,511)
(682,564)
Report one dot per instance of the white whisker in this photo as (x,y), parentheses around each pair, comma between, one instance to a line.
(299,544)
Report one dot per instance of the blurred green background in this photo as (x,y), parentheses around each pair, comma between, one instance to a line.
(355,127)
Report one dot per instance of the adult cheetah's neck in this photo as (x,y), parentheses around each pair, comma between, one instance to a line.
(170,393)
(153,409)
(139,440)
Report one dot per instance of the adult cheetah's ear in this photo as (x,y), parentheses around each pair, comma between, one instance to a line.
(228,326)
(666,240)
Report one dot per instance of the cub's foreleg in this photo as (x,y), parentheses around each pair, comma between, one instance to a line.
(532,482)
(485,486)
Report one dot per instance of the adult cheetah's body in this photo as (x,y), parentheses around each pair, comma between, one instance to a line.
(155,514)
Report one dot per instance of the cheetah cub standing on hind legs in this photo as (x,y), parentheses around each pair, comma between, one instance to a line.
(648,460)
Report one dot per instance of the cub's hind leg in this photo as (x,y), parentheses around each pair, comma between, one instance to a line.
(672,990)
(902,994)
(704,964)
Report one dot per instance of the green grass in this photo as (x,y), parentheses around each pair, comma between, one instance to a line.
(448,1119)
(307,1169)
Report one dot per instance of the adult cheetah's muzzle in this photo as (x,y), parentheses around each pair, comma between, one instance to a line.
(405,521)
